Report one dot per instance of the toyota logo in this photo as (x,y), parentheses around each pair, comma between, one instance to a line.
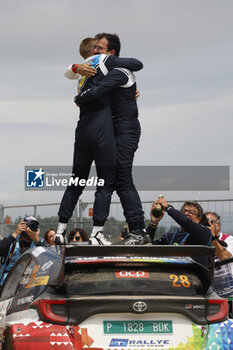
(139,306)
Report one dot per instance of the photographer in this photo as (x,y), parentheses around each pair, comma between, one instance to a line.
(223,276)
(13,246)
(223,250)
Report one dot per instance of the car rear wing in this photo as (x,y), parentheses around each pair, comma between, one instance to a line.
(83,255)
(140,251)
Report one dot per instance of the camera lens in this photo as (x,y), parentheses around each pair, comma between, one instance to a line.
(33,225)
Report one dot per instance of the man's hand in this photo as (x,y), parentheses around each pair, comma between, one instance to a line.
(137,94)
(153,219)
(34,235)
(163,202)
(20,228)
(86,69)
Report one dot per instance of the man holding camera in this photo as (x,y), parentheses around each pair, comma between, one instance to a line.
(223,276)
(12,247)
(223,251)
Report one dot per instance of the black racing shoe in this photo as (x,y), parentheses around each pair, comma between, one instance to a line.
(60,238)
(136,237)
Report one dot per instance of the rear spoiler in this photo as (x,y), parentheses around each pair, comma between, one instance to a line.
(89,255)
(140,251)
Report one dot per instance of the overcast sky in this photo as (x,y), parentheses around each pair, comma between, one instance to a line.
(186,85)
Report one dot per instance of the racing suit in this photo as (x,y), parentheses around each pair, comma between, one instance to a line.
(122,85)
(95,140)
(190,233)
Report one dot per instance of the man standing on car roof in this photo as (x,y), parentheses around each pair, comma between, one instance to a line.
(95,140)
(122,85)
(191,232)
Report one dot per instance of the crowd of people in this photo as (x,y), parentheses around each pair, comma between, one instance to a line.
(26,236)
(196,228)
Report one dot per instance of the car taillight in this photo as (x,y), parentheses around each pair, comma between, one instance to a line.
(52,311)
(217,310)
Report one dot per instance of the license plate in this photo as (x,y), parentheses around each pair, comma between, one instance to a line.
(135,327)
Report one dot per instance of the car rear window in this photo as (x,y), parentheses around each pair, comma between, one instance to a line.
(132,281)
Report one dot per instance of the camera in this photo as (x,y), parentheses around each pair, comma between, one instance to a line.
(33,224)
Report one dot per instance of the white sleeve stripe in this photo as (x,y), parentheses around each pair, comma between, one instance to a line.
(131,77)
(102,66)
(124,71)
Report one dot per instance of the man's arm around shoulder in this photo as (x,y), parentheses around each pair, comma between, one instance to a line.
(129,63)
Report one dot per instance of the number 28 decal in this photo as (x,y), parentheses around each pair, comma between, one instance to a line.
(180,280)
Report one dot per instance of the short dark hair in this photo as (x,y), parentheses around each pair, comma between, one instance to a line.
(194,204)
(113,41)
(47,232)
(82,232)
(86,47)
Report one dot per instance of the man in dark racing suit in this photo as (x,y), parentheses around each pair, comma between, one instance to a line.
(122,85)
(94,140)
(192,232)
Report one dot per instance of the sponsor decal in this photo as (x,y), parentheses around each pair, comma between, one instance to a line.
(138,342)
(47,265)
(132,274)
(28,271)
(149,342)
(37,251)
(119,342)
(194,307)
(40,281)
(35,270)
(83,260)
(4,305)
(25,300)
(24,280)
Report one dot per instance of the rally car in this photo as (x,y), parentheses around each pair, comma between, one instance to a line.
(113,297)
